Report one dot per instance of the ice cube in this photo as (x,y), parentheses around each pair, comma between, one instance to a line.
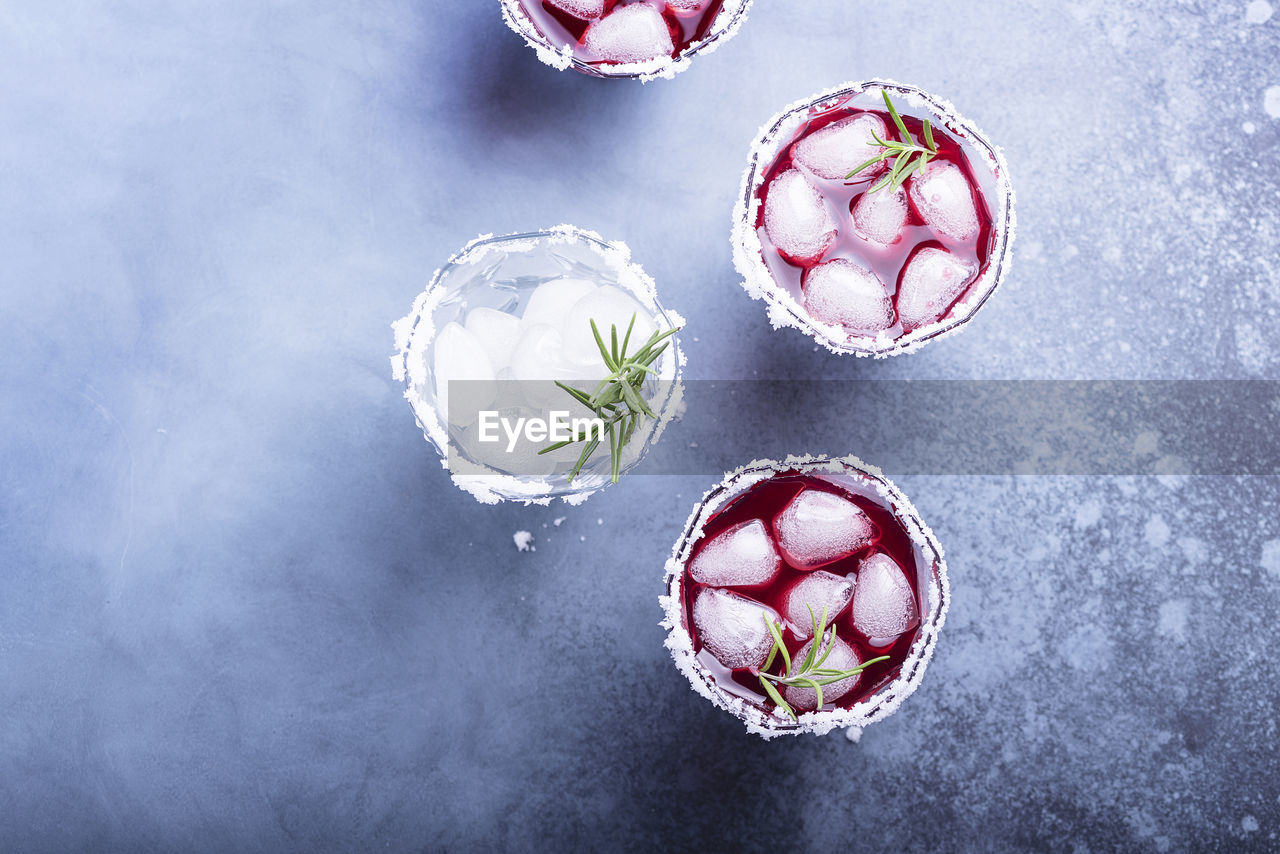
(584,9)
(740,556)
(551,301)
(847,293)
(818,590)
(732,628)
(796,217)
(880,216)
(607,306)
(497,332)
(884,605)
(944,200)
(819,527)
(835,150)
(539,354)
(631,33)
(458,355)
(841,657)
(932,280)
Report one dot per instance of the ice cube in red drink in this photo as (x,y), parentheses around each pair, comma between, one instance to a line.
(816,194)
(595,36)
(812,521)
(884,605)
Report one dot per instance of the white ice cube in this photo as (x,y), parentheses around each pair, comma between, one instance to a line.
(631,33)
(880,216)
(551,301)
(841,657)
(740,556)
(459,356)
(796,217)
(835,150)
(732,627)
(944,200)
(539,354)
(819,527)
(932,281)
(608,307)
(818,590)
(847,293)
(884,605)
(584,9)
(497,332)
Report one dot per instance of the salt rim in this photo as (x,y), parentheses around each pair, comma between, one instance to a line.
(783,308)
(863,713)
(650,69)
(415,332)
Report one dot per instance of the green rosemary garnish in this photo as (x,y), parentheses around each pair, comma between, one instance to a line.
(811,673)
(616,400)
(904,165)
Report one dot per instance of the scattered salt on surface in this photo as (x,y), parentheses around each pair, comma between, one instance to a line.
(558,521)
(854,734)
(1146,442)
(599,521)
(1271,101)
(523,541)
(1248,127)
(1271,557)
(1088,514)
(1249,824)
(1157,532)
(1257,12)
(1173,619)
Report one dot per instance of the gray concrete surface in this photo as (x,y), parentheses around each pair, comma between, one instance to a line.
(242,608)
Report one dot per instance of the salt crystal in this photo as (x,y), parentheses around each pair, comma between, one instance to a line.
(523,540)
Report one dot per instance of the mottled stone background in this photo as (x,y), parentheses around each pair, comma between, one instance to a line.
(242,607)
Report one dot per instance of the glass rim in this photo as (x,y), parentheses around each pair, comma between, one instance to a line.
(485,484)
(784,309)
(563,59)
(888,697)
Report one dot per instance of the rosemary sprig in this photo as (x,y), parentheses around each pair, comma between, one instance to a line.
(810,673)
(616,399)
(908,156)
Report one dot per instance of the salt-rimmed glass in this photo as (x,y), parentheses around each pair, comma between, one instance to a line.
(728,19)
(500,273)
(850,475)
(785,304)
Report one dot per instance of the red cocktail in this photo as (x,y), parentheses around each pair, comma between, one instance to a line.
(874,218)
(623,38)
(809,554)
